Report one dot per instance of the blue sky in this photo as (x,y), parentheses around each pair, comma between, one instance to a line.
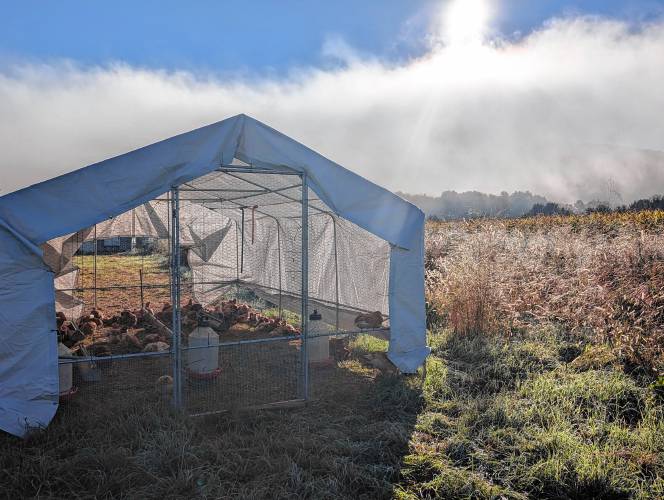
(264,36)
(415,95)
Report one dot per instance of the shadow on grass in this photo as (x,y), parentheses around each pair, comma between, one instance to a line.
(348,442)
(524,418)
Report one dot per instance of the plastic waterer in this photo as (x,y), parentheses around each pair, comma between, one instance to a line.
(203,352)
(318,342)
(65,370)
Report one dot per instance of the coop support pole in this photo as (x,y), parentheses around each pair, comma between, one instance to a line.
(168,236)
(94,272)
(175,297)
(336,272)
(242,245)
(305,286)
(281,311)
(237,251)
(278,224)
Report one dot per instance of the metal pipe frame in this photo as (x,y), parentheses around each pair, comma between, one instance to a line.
(305,287)
(94,273)
(266,340)
(336,270)
(175,297)
(255,170)
(251,192)
(119,357)
(290,198)
(73,360)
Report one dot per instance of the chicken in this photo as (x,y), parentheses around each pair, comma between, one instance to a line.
(153,337)
(148,309)
(166,313)
(97,316)
(266,326)
(164,385)
(88,328)
(381,361)
(132,341)
(116,335)
(156,347)
(60,319)
(100,349)
(369,320)
(96,321)
(284,328)
(128,318)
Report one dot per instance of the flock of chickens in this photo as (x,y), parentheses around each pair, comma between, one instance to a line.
(145,330)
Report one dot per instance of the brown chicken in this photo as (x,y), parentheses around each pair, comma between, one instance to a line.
(369,320)
(88,328)
(128,318)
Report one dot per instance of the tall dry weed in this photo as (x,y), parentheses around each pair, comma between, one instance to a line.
(600,278)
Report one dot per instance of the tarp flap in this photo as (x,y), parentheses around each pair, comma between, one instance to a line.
(28,354)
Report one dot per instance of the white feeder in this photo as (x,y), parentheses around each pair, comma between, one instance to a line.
(203,352)
(65,370)
(318,343)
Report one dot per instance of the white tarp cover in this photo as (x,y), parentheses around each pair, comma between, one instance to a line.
(43,212)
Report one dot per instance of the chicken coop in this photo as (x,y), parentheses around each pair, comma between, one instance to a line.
(265,256)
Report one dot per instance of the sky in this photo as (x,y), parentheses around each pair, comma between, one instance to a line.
(558,97)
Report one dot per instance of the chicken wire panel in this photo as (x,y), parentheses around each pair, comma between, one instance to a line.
(348,271)
(98,388)
(245,230)
(246,247)
(248,375)
(348,266)
(262,246)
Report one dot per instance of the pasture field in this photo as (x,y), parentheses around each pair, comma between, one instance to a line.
(544,382)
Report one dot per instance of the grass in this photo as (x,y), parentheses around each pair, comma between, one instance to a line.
(531,391)
(494,418)
(517,419)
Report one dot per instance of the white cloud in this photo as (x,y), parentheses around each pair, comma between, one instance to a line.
(559,112)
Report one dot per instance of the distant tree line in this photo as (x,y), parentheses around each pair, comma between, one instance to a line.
(654,203)
(451,205)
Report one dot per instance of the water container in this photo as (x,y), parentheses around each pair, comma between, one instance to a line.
(203,360)
(318,347)
(65,371)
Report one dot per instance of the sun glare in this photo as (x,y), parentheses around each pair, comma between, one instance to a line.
(465,22)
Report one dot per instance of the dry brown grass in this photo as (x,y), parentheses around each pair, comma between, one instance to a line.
(599,275)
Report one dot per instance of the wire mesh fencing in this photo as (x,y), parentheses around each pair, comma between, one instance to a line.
(96,387)
(260,255)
